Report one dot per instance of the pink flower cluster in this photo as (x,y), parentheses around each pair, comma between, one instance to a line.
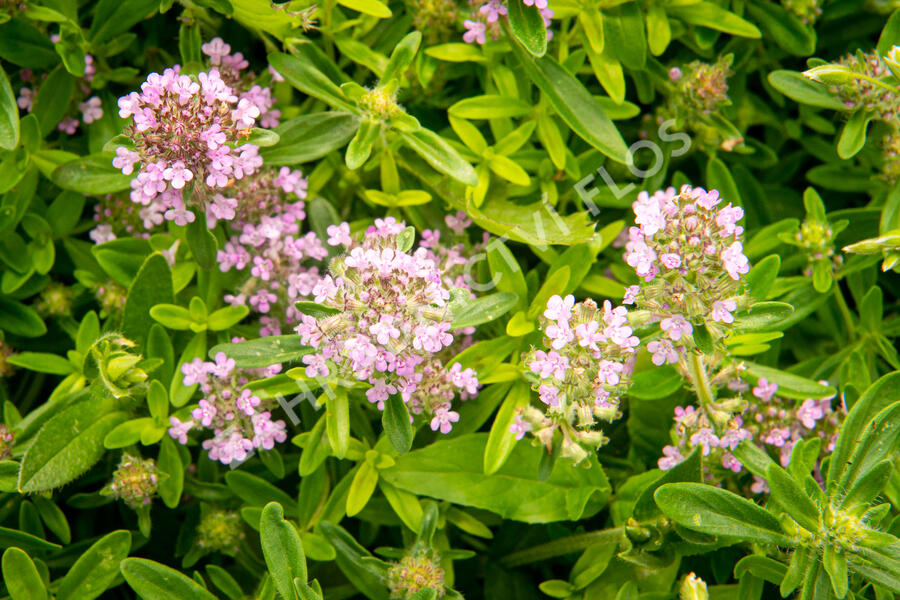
(394,318)
(266,212)
(582,375)
(486,15)
(773,423)
(185,130)
(240,421)
(688,249)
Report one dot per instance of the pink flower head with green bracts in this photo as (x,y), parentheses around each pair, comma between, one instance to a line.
(240,421)
(391,326)
(581,377)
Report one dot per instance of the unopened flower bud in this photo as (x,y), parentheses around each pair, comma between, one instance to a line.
(416,571)
(693,588)
(220,531)
(134,481)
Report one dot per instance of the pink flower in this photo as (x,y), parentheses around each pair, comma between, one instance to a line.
(608,372)
(663,352)
(25,101)
(316,366)
(706,438)
(493,10)
(722,310)
(180,214)
(179,429)
(547,364)
(810,412)
(215,49)
(195,371)
(444,419)
(125,160)
(339,235)
(734,261)
(539,3)
(178,175)
(519,427)
(560,309)
(676,327)
(549,395)
(631,294)
(671,457)
(245,114)
(432,338)
(223,366)
(672,261)
(458,222)
(69,125)
(91,110)
(764,390)
(475,31)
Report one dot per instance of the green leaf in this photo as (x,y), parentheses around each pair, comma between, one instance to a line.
(96,569)
(763,316)
(304,76)
(762,276)
(760,566)
(112,17)
(26,541)
(172,316)
(489,106)
(402,56)
(879,441)
(127,433)
(169,462)
(23,44)
(501,440)
(151,286)
(9,115)
(42,362)
(52,99)
(365,572)
(92,174)
(853,136)
(453,470)
(715,511)
(790,496)
(789,385)
(835,565)
(396,422)
(364,482)
(310,137)
(707,14)
(688,470)
(227,317)
(801,89)
(67,445)
(317,311)
(527,25)
(574,103)
(784,28)
(18,319)
(282,549)
(153,581)
(263,352)
(376,8)
(440,155)
(202,243)
(256,491)
(23,582)
(890,34)
(337,421)
(483,310)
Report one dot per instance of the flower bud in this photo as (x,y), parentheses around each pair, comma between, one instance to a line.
(7,441)
(416,571)
(693,588)
(220,531)
(134,481)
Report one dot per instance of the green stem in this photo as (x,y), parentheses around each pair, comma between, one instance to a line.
(566,545)
(700,379)
(845,311)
